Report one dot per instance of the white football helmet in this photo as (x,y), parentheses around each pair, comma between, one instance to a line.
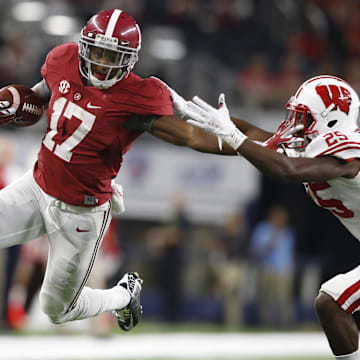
(321,104)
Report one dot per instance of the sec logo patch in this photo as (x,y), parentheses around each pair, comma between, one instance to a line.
(64,87)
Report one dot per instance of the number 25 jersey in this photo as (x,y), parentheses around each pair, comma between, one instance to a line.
(84,145)
(341,196)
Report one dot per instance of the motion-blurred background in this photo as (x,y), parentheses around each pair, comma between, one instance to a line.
(215,242)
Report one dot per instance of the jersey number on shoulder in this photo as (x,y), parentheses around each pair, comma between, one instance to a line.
(87,119)
(335,206)
(334,137)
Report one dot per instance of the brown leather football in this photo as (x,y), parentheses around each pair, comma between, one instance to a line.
(29,107)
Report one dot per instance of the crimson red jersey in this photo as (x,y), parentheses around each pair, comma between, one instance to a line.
(84,145)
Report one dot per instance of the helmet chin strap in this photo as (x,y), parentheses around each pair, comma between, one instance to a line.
(101,84)
(104,84)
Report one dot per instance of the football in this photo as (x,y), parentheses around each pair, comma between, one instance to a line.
(28,105)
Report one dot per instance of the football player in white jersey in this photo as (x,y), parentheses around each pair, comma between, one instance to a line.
(321,139)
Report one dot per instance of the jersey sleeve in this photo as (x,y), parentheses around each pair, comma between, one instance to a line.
(343,145)
(56,60)
(157,99)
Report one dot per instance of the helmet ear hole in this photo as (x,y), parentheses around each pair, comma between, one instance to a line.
(331,123)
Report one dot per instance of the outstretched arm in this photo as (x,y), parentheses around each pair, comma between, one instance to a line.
(175,130)
(297,169)
(218,122)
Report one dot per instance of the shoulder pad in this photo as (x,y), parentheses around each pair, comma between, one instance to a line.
(157,86)
(61,53)
(58,60)
(341,144)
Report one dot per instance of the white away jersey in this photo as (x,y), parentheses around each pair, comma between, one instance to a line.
(341,196)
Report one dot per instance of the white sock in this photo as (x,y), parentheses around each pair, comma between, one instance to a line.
(93,302)
(353,356)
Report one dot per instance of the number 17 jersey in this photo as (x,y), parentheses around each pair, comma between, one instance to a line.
(84,144)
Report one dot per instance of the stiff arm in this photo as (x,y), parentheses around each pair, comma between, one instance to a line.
(176,131)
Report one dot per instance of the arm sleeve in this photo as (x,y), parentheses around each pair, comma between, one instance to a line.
(42,90)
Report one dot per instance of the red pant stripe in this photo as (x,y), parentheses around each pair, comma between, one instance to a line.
(348,292)
(353,306)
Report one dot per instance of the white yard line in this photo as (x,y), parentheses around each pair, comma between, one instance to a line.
(167,346)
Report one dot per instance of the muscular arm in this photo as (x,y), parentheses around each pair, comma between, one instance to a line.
(251,131)
(297,169)
(176,131)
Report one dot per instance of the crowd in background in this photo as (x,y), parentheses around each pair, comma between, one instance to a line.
(257,52)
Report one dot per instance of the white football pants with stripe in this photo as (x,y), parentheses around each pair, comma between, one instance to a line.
(75,234)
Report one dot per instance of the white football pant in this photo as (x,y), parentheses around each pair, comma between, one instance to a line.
(75,234)
(345,290)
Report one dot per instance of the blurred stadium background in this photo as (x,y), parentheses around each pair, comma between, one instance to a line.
(191,219)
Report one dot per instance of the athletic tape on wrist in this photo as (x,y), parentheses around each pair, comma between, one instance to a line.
(235,139)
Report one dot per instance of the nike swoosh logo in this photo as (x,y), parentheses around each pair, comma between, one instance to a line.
(81,230)
(90,106)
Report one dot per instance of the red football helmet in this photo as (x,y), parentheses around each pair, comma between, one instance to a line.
(109,47)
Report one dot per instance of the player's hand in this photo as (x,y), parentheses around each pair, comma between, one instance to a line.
(214,121)
(7,112)
(284,136)
(179,103)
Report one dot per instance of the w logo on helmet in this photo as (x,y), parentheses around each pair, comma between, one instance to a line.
(334,94)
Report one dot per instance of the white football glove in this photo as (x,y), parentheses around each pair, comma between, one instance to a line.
(117,200)
(179,103)
(7,112)
(214,121)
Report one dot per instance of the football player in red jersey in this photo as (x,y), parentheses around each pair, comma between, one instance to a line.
(91,93)
(321,139)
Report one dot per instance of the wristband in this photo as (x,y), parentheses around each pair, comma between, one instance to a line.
(235,139)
